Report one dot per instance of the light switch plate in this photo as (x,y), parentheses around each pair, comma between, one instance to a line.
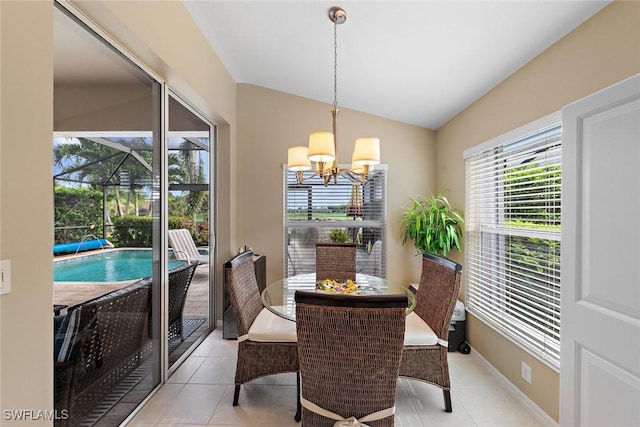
(5,277)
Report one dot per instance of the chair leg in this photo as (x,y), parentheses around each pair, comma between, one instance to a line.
(447,401)
(236,394)
(298,415)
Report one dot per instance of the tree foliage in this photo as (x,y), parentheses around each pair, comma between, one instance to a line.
(76,207)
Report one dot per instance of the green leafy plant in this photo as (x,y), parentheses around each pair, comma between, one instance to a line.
(339,235)
(432,225)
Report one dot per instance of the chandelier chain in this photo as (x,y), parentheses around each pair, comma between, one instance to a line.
(335,65)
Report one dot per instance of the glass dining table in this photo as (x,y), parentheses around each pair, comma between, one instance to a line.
(278,297)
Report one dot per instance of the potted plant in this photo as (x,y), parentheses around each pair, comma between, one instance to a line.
(432,225)
(338,235)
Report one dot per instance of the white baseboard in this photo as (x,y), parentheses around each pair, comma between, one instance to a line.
(517,393)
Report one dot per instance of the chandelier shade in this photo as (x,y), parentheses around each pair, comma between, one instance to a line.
(298,158)
(356,168)
(323,145)
(367,151)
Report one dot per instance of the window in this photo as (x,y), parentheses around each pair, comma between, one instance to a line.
(342,211)
(512,265)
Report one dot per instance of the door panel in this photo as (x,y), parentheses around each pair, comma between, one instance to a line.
(600,378)
(600,346)
(189,205)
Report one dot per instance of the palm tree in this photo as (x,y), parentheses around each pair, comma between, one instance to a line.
(187,167)
(101,163)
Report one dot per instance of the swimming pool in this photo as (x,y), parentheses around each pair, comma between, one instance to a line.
(112,266)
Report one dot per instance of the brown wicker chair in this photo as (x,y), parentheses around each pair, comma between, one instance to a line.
(349,349)
(179,282)
(436,299)
(335,261)
(267,343)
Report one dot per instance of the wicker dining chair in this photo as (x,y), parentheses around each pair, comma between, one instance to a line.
(425,351)
(335,261)
(266,342)
(349,347)
(179,282)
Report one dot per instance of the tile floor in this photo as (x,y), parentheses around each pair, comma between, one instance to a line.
(200,392)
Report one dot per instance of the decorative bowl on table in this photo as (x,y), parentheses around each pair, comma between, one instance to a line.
(335,287)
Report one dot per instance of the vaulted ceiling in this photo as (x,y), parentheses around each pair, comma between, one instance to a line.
(417,62)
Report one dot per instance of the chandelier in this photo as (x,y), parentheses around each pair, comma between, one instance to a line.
(323,145)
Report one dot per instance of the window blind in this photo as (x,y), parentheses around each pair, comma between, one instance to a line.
(344,210)
(513,223)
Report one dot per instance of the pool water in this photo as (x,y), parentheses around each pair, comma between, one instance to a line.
(113,266)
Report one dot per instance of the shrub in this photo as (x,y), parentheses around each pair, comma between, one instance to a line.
(76,207)
(132,231)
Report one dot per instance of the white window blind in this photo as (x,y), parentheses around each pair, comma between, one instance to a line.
(512,256)
(314,213)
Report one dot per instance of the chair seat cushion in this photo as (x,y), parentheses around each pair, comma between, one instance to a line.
(269,327)
(418,332)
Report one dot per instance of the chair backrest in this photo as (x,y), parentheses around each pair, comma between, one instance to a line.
(182,243)
(349,347)
(99,343)
(242,287)
(179,282)
(102,330)
(438,292)
(335,261)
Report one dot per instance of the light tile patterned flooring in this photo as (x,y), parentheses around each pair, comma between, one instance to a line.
(200,392)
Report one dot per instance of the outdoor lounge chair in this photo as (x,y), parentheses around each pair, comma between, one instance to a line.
(424,356)
(184,248)
(349,348)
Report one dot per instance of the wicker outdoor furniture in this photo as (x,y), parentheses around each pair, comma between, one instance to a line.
(425,352)
(350,347)
(336,261)
(266,342)
(179,282)
(98,345)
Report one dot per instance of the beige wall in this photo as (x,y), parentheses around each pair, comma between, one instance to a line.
(270,121)
(602,51)
(26,124)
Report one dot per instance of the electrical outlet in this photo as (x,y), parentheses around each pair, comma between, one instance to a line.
(5,277)
(526,372)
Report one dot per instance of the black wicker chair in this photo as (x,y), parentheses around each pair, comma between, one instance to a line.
(349,348)
(179,282)
(436,298)
(97,346)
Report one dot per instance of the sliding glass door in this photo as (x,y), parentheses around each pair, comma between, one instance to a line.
(190,211)
(131,160)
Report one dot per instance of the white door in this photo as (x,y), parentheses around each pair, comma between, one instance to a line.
(600,304)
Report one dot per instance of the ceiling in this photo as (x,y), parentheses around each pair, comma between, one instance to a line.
(417,62)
